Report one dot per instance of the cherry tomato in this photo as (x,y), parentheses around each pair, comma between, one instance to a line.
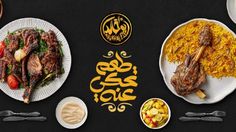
(2,47)
(12,82)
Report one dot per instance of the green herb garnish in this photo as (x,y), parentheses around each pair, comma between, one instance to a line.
(62,70)
(40,31)
(60,49)
(43,47)
(6,41)
(8,69)
(21,86)
(48,78)
(21,44)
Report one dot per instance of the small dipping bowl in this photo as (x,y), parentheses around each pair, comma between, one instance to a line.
(231,8)
(155,111)
(64,102)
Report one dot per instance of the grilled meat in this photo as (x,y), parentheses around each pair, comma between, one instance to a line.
(205,36)
(30,38)
(28,63)
(3,66)
(13,43)
(28,35)
(50,38)
(52,60)
(16,71)
(34,68)
(24,72)
(189,75)
(8,57)
(10,60)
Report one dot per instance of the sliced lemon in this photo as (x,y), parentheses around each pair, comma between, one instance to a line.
(158,117)
(154,111)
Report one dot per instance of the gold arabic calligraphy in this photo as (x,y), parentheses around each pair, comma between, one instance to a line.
(111,84)
(116,28)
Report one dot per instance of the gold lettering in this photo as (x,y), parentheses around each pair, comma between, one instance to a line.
(109,78)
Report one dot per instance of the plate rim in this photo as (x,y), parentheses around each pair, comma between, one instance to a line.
(161,57)
(229,11)
(69,53)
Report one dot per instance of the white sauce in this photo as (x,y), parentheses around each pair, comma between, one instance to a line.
(72,113)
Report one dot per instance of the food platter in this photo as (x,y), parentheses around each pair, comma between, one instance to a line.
(215,88)
(40,93)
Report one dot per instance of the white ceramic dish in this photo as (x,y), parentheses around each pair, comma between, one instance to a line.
(215,89)
(231,8)
(39,93)
(169,112)
(68,100)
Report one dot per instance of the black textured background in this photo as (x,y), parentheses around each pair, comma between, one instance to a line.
(152,21)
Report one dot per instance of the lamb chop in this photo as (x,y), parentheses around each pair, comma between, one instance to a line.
(30,43)
(3,66)
(30,40)
(34,68)
(9,51)
(4,61)
(189,75)
(8,59)
(24,72)
(52,60)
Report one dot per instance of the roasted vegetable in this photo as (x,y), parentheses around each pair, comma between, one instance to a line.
(2,47)
(19,55)
(46,80)
(12,82)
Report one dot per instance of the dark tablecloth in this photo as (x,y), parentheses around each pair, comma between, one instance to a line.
(152,21)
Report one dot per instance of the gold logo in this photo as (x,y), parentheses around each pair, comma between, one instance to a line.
(115,28)
(115,82)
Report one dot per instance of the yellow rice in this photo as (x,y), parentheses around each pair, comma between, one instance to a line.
(218,60)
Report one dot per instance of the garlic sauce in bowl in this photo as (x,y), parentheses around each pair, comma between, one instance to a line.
(71,112)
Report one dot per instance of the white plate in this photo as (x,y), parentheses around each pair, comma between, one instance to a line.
(231,8)
(68,100)
(39,93)
(216,89)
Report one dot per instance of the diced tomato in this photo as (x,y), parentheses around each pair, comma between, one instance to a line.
(147,115)
(155,124)
(12,82)
(2,47)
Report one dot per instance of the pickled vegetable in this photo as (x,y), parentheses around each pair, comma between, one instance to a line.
(155,113)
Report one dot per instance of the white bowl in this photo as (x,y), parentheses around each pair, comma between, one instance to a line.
(61,105)
(216,89)
(169,113)
(231,8)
